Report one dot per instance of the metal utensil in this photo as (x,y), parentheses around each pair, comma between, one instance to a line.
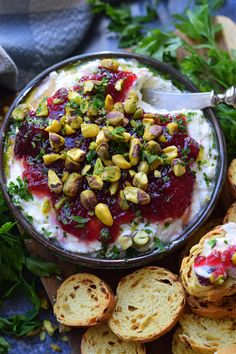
(178,100)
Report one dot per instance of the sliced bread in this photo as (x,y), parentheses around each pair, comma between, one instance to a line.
(180,347)
(101,340)
(83,300)
(206,335)
(225,308)
(231,214)
(190,281)
(149,303)
(227,350)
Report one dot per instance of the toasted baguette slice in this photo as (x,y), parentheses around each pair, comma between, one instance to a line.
(231,214)
(180,347)
(101,340)
(232,177)
(190,281)
(225,308)
(149,303)
(227,350)
(206,335)
(196,237)
(83,300)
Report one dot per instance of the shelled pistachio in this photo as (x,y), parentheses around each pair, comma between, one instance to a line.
(88,199)
(72,184)
(103,213)
(54,182)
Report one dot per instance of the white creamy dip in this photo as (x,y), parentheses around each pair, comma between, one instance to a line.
(198,128)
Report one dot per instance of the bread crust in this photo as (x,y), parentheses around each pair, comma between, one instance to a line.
(227,350)
(190,281)
(205,335)
(150,302)
(88,289)
(180,347)
(224,308)
(231,214)
(100,339)
(232,177)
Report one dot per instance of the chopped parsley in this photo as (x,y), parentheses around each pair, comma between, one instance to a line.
(46,232)
(207,179)
(159,244)
(212,242)
(19,190)
(91,155)
(80,220)
(118,131)
(104,234)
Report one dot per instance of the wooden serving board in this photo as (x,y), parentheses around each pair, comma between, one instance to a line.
(163,346)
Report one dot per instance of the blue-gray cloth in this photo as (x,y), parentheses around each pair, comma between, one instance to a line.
(35,34)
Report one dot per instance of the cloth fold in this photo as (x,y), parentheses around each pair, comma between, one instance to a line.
(36,34)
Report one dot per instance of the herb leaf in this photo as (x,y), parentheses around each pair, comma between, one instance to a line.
(19,190)
(80,220)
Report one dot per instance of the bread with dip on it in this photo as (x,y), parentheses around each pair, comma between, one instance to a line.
(209,271)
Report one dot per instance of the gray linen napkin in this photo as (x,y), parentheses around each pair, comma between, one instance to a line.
(35,34)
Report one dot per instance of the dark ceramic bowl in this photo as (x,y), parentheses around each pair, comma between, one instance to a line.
(142,258)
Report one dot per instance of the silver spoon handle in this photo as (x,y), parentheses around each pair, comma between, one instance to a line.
(229,97)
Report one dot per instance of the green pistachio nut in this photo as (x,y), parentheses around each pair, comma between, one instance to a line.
(55,127)
(138,114)
(20,112)
(42,110)
(95,182)
(85,169)
(48,159)
(54,182)
(125,242)
(98,167)
(72,185)
(136,195)
(108,103)
(141,238)
(140,180)
(169,153)
(103,214)
(172,128)
(123,203)
(88,199)
(111,174)
(135,151)
(118,106)
(89,130)
(131,103)
(56,141)
(115,118)
(71,165)
(121,162)
(153,147)
(103,151)
(76,154)
(178,167)
(110,64)
(143,166)
(114,187)
(152,132)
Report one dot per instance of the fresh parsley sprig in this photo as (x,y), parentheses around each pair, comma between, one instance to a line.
(206,65)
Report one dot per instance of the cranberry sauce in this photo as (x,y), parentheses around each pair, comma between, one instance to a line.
(170,196)
(216,266)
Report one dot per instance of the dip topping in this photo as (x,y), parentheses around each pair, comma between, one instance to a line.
(102,160)
(218,259)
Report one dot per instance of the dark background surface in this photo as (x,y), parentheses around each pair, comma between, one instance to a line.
(97,38)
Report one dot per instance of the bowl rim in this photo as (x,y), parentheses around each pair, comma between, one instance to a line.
(153,255)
